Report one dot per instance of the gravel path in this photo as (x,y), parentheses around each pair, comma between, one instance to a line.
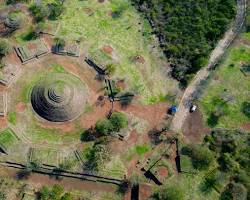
(203,74)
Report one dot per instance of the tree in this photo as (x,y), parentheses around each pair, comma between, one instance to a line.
(2,196)
(235,191)
(110,69)
(187,43)
(15,1)
(44,193)
(246,108)
(227,163)
(169,193)
(201,157)
(118,121)
(97,156)
(39,11)
(55,10)
(4,47)
(67,196)
(56,192)
(39,28)
(103,127)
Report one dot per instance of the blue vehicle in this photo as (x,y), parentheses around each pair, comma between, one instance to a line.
(172,110)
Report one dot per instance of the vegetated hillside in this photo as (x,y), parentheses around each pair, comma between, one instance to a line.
(188,30)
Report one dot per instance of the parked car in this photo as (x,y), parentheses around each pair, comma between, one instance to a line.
(193,108)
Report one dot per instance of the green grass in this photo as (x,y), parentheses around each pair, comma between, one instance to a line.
(127,38)
(227,92)
(45,156)
(7,138)
(136,150)
(12,117)
(186,164)
(142,149)
(58,68)
(28,84)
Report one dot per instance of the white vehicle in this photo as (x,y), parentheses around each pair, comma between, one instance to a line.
(193,108)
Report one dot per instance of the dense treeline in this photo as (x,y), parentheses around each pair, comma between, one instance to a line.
(188,30)
(233,156)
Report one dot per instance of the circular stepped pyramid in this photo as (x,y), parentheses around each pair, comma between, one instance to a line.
(59,97)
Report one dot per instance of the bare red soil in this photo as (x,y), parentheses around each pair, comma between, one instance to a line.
(193,128)
(145,191)
(20,107)
(140,59)
(64,127)
(154,114)
(3,122)
(163,172)
(107,49)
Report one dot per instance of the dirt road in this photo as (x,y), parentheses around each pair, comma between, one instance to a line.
(217,53)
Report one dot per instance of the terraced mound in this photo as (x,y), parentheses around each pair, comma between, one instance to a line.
(59,97)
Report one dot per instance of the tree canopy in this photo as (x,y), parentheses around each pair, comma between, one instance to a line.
(188,30)
(5,47)
(169,193)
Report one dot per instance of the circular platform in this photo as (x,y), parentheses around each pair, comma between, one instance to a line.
(59,97)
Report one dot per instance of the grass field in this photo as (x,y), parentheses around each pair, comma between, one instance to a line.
(128,34)
(7,138)
(12,117)
(223,99)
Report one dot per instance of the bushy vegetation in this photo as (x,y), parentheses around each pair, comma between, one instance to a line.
(4,47)
(188,30)
(201,156)
(2,196)
(51,11)
(169,193)
(97,156)
(114,124)
(16,1)
(233,153)
(248,19)
(55,193)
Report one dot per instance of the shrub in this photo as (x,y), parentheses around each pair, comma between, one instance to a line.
(110,69)
(67,196)
(55,10)
(103,127)
(39,11)
(169,193)
(4,47)
(96,157)
(227,163)
(43,194)
(2,196)
(246,108)
(56,192)
(201,157)
(234,191)
(118,121)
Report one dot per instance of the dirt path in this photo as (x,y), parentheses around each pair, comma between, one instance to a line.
(218,52)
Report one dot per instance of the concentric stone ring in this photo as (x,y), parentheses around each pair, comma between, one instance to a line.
(59,97)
